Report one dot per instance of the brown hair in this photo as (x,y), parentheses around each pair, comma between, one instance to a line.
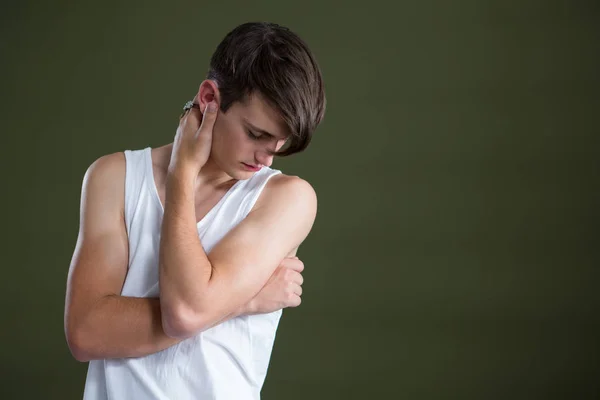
(270,59)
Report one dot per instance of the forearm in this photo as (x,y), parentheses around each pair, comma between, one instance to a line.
(184,268)
(247,309)
(121,327)
(124,327)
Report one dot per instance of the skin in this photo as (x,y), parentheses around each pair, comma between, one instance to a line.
(197,289)
(101,324)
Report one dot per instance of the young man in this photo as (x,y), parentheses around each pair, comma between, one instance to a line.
(186,253)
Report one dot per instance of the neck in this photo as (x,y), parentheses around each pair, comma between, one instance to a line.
(212,175)
(209,175)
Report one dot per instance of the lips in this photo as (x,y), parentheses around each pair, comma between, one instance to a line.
(251,167)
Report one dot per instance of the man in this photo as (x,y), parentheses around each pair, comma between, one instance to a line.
(186,253)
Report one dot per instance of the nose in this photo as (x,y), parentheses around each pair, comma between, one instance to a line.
(264,156)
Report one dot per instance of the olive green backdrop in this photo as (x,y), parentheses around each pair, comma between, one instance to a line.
(455,253)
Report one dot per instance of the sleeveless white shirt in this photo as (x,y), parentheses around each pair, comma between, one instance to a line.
(228,361)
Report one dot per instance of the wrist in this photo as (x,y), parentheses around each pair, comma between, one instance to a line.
(180,176)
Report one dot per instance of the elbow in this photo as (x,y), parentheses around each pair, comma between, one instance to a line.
(78,345)
(182,323)
(82,339)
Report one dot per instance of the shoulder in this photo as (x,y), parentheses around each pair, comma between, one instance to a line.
(106,168)
(104,182)
(289,192)
(281,184)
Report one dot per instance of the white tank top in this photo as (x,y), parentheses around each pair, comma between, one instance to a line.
(228,361)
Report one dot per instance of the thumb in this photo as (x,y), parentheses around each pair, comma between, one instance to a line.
(211,107)
(210,114)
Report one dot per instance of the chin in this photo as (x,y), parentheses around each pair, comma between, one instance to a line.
(240,174)
(243,175)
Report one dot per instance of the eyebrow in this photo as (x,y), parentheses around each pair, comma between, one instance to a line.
(261,131)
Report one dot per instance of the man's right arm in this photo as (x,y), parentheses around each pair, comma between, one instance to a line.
(99,322)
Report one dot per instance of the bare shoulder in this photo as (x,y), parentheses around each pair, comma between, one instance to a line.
(288,187)
(289,182)
(291,195)
(104,184)
(107,167)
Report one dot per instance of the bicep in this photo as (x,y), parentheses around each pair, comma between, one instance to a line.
(99,263)
(247,256)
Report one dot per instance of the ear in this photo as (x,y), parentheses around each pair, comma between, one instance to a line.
(207,92)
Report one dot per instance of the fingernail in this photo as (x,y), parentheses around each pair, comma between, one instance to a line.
(212,107)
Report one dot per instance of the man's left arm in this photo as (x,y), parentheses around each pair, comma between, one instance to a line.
(197,290)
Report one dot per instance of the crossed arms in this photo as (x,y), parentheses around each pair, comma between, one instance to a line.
(100,323)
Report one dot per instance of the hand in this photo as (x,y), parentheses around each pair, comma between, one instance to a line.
(193,140)
(283,289)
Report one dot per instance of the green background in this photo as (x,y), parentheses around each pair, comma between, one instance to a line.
(454,254)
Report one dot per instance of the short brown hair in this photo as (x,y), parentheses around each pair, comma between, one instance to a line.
(272,60)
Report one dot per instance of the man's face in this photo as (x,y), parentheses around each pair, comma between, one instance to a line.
(244,135)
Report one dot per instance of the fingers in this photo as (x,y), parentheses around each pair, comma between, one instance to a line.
(289,275)
(192,115)
(187,109)
(294,300)
(189,123)
(297,289)
(297,278)
(293,263)
(209,117)
(294,282)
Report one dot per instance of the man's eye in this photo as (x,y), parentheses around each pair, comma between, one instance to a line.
(253,136)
